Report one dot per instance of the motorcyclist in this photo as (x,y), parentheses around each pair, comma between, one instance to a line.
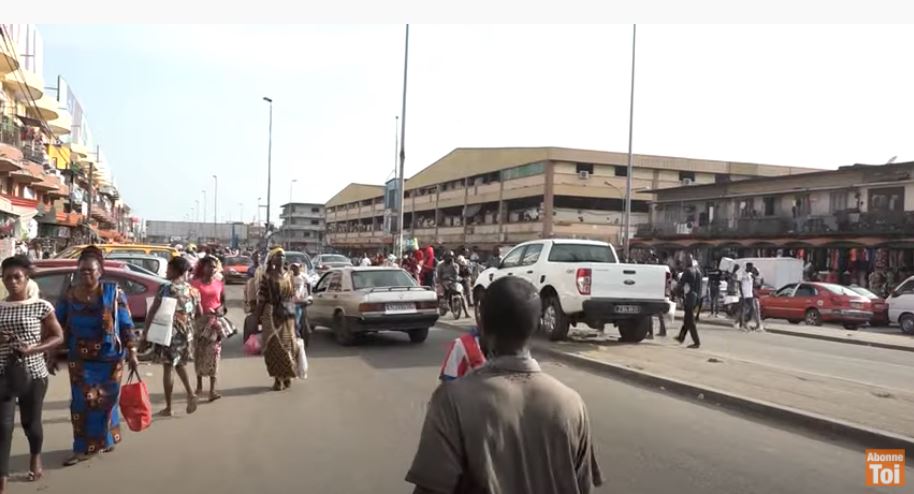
(448,273)
(466,275)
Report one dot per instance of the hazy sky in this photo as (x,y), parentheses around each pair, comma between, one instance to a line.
(173,105)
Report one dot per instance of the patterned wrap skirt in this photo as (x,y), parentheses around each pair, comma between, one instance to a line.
(95,388)
(279,349)
(208,346)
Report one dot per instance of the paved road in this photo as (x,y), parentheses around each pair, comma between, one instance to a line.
(353,426)
(877,366)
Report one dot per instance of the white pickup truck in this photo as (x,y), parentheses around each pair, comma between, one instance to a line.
(582,281)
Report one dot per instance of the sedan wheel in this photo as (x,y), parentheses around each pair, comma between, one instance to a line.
(813,318)
(907,323)
(341,330)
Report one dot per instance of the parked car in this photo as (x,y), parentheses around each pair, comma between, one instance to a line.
(236,269)
(151,264)
(119,263)
(326,262)
(815,303)
(877,305)
(354,300)
(901,305)
(582,281)
(139,288)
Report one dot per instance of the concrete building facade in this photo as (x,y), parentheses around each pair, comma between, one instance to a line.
(489,197)
(302,228)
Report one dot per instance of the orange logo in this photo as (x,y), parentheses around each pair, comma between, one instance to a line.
(885,467)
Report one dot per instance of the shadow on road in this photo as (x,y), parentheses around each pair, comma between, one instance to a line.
(388,350)
(51,460)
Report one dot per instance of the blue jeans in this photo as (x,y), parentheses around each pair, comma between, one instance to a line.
(299,311)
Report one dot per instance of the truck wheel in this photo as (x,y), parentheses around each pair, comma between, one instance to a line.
(906,321)
(341,330)
(554,323)
(418,335)
(634,330)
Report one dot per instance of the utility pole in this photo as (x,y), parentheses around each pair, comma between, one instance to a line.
(628,179)
(215,206)
(269,161)
(400,180)
(203,223)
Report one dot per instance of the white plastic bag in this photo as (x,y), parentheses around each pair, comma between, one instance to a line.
(301,365)
(670,316)
(161,327)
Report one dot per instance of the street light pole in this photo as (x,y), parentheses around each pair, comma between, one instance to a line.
(290,188)
(269,160)
(202,223)
(400,180)
(215,205)
(258,209)
(628,179)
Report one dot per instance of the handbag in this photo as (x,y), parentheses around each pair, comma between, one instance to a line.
(228,328)
(253,346)
(301,363)
(160,329)
(16,379)
(135,404)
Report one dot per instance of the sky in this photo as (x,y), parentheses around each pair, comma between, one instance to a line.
(171,106)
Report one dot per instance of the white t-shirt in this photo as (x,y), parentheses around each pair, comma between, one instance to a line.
(365,262)
(745,283)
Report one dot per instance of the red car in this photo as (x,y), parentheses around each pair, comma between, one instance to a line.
(235,269)
(876,304)
(815,303)
(55,275)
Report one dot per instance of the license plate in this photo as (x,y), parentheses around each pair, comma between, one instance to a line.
(627,309)
(399,308)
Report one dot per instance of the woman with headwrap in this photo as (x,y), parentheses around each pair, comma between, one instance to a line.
(276,313)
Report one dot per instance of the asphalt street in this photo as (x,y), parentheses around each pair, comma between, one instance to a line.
(869,365)
(353,425)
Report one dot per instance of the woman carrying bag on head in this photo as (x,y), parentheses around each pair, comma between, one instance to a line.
(28,329)
(99,338)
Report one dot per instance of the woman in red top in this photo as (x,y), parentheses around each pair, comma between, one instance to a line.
(208,340)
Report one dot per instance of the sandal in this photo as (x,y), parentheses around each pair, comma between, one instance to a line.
(108,450)
(165,413)
(35,476)
(192,404)
(214,396)
(73,460)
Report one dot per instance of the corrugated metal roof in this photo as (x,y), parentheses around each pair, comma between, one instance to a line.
(355,192)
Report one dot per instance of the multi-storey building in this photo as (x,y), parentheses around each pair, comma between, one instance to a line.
(487,197)
(839,220)
(302,227)
(46,158)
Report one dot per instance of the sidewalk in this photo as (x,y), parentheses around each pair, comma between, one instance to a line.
(824,403)
(892,339)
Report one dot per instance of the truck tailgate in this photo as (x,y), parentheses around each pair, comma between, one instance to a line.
(629,281)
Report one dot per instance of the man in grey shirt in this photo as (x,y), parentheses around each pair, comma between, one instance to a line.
(507,427)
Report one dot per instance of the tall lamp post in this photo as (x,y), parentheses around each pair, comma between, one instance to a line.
(202,223)
(215,205)
(258,209)
(400,181)
(269,159)
(290,188)
(628,179)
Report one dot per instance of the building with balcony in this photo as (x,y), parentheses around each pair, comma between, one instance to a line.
(302,227)
(489,197)
(848,221)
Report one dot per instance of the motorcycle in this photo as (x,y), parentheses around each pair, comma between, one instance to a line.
(451,298)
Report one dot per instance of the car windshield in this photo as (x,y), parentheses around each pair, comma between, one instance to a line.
(381,279)
(237,261)
(334,258)
(582,253)
(863,291)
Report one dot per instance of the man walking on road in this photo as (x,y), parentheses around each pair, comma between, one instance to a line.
(746,283)
(714,275)
(689,289)
(506,427)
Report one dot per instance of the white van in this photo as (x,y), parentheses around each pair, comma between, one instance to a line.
(901,305)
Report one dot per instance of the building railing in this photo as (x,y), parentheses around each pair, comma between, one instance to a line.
(845,222)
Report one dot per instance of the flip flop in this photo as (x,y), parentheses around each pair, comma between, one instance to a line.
(34,476)
(214,397)
(73,460)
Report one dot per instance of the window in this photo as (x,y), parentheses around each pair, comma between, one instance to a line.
(323,283)
(524,171)
(906,287)
(336,282)
(381,279)
(532,254)
(513,258)
(315,210)
(805,291)
(786,291)
(51,287)
(721,178)
(686,176)
(769,205)
(890,199)
(585,167)
(838,200)
(315,222)
(621,171)
(582,253)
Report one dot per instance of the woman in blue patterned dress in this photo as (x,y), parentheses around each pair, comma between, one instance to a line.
(97,331)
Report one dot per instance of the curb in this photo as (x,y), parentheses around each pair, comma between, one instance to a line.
(812,336)
(793,417)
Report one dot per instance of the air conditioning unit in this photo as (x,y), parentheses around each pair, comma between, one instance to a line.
(584,175)
(688,181)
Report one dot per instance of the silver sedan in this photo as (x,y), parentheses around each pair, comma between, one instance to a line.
(353,300)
